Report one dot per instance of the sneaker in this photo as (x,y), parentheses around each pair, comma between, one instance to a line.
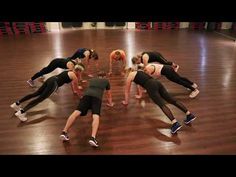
(21,116)
(176,68)
(189,118)
(194,85)
(194,93)
(93,142)
(31,83)
(15,106)
(175,127)
(90,75)
(64,136)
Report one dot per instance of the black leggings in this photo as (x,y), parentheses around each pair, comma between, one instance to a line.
(54,64)
(43,92)
(162,59)
(158,94)
(173,76)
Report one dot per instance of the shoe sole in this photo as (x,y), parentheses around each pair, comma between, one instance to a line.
(190,121)
(63,138)
(21,119)
(195,95)
(16,109)
(176,130)
(93,144)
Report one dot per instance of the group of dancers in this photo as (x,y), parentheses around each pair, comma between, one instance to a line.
(147,68)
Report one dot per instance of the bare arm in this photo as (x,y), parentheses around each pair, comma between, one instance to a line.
(74,83)
(97,65)
(109,98)
(128,86)
(139,92)
(110,65)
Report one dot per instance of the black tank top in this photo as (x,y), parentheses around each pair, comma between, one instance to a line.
(63,78)
(141,78)
(63,63)
(153,57)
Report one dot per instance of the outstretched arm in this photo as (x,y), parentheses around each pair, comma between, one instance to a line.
(109,98)
(127,87)
(74,83)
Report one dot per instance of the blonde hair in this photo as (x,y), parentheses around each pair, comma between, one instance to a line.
(79,67)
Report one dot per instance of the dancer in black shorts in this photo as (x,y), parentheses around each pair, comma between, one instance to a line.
(92,99)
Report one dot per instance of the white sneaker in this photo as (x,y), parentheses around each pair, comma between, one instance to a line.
(194,93)
(15,106)
(21,116)
(194,85)
(176,68)
(31,83)
(90,75)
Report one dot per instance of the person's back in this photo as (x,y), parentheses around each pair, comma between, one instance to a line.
(97,87)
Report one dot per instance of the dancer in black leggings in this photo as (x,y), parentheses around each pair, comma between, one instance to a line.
(150,57)
(157,70)
(86,54)
(48,87)
(63,63)
(158,94)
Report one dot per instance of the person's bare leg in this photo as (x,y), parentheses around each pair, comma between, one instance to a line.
(71,120)
(95,125)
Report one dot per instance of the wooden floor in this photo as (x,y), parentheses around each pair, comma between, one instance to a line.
(207,58)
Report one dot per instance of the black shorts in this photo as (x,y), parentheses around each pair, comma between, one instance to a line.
(89,102)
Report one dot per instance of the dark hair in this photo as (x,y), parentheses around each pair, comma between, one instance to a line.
(117,53)
(134,59)
(102,74)
(93,54)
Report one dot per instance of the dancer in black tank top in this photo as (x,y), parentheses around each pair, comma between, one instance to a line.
(82,54)
(48,87)
(158,94)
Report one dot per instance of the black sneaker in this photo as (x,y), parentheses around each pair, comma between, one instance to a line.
(175,127)
(93,142)
(64,136)
(189,118)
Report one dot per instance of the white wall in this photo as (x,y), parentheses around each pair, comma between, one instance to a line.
(131,25)
(226,25)
(53,26)
(183,24)
(100,25)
